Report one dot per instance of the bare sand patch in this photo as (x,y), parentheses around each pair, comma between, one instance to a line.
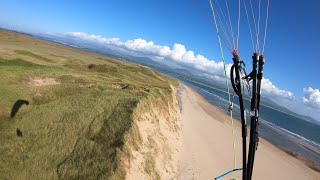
(42,82)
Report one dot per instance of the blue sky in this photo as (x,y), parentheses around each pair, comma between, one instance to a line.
(292,39)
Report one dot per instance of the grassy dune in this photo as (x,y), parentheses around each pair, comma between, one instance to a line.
(79,110)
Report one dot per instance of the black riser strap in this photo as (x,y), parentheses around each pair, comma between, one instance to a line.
(236,84)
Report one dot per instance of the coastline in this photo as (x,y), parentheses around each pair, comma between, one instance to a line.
(208,165)
(204,156)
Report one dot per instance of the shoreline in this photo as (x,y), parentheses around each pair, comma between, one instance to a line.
(203,123)
(312,163)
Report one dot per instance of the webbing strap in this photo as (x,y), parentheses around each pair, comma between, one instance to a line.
(233,170)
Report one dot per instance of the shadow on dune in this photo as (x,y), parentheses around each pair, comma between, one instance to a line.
(17,105)
(19,132)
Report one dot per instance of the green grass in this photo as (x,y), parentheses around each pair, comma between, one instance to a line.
(33,55)
(77,128)
(150,167)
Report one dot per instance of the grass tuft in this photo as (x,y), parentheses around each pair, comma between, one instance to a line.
(33,55)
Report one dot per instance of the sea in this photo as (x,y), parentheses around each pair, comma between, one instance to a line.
(293,134)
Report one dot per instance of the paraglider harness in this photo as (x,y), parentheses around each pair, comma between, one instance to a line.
(236,72)
(223,26)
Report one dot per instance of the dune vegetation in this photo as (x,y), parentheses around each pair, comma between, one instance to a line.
(68,114)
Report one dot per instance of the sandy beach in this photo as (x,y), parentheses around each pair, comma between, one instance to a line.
(207,150)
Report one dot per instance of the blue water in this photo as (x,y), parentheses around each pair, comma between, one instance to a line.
(281,129)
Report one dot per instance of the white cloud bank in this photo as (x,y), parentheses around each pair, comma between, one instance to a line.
(177,54)
(311,97)
(271,89)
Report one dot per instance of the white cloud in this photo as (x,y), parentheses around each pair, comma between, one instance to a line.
(311,97)
(270,89)
(177,54)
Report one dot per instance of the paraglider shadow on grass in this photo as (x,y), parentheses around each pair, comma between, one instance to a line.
(17,105)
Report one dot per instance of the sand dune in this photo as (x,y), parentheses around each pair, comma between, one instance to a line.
(208,149)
